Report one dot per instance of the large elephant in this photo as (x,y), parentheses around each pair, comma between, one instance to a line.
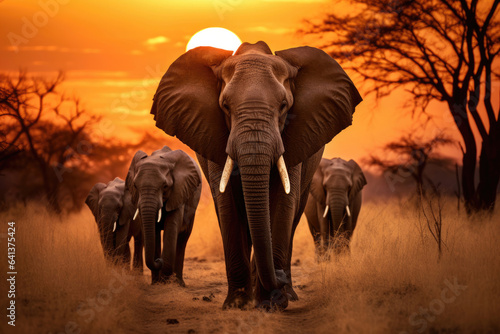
(258,123)
(113,211)
(334,202)
(166,189)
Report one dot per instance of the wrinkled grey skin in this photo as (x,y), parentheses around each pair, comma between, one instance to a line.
(254,107)
(336,183)
(169,181)
(110,203)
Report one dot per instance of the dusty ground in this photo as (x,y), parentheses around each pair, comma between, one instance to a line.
(392,282)
(161,311)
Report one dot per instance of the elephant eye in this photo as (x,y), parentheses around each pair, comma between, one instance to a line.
(225,106)
(283,106)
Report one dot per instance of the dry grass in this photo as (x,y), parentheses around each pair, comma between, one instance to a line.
(63,283)
(384,285)
(393,281)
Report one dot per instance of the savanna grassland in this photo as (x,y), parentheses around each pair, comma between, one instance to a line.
(392,281)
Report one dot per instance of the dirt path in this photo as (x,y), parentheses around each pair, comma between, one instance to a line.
(197,308)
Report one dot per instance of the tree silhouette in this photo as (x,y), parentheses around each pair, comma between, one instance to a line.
(408,157)
(442,50)
(42,129)
(48,148)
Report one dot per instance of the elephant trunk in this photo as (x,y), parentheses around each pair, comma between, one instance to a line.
(121,241)
(338,201)
(255,169)
(106,231)
(148,208)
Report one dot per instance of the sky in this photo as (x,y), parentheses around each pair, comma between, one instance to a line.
(115,52)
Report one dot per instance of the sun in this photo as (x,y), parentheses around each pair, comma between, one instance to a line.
(216,37)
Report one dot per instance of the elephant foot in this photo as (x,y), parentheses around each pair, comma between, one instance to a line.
(180,281)
(137,271)
(237,299)
(155,277)
(281,278)
(162,278)
(277,302)
(290,293)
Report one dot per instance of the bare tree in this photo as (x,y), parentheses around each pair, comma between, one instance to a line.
(434,218)
(43,126)
(47,142)
(442,50)
(408,157)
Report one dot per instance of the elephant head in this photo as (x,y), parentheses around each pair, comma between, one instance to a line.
(112,209)
(165,180)
(335,185)
(261,110)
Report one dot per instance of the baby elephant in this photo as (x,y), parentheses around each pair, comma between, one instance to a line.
(113,210)
(166,188)
(334,202)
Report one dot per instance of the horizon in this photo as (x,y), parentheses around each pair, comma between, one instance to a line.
(115,73)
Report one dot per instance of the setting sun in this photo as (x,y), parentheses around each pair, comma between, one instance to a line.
(216,37)
(265,166)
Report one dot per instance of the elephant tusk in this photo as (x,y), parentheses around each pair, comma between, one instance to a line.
(326,211)
(114,227)
(159,215)
(348,210)
(226,174)
(284,174)
(136,213)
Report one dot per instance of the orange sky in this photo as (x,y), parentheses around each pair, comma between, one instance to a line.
(108,51)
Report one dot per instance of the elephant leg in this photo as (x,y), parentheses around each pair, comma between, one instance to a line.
(237,250)
(283,210)
(313,223)
(292,295)
(138,261)
(172,222)
(155,274)
(179,256)
(355,208)
(325,229)
(235,233)
(127,256)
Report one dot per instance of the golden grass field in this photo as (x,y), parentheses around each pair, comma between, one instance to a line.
(391,282)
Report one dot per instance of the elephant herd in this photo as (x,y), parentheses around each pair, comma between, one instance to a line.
(258,123)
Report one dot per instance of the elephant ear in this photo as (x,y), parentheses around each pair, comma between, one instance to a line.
(324,101)
(186,103)
(163,150)
(92,199)
(317,190)
(128,209)
(131,171)
(186,177)
(358,179)
(125,211)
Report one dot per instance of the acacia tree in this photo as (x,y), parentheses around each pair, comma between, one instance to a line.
(42,129)
(442,50)
(410,157)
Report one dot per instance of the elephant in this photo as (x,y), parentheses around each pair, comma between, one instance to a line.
(258,123)
(113,210)
(166,189)
(334,203)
